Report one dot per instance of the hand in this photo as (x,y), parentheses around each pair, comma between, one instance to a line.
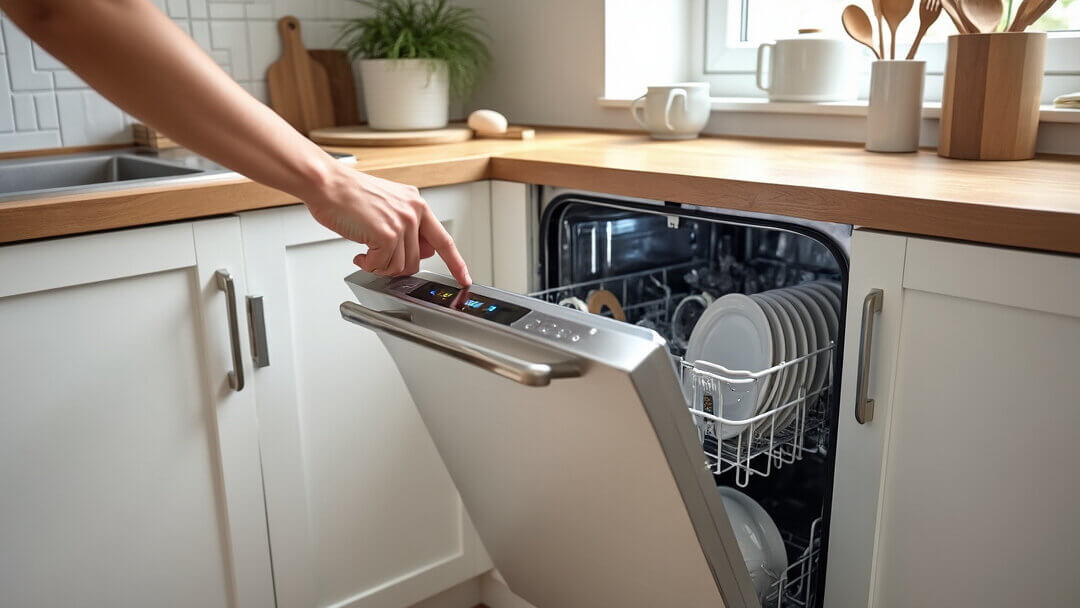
(392,219)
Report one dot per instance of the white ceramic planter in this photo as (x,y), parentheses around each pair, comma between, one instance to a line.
(405,94)
(894,117)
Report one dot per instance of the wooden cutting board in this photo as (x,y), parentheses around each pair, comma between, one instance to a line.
(298,85)
(342,84)
(366,136)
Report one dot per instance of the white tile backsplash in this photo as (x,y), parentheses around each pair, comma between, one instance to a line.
(45,105)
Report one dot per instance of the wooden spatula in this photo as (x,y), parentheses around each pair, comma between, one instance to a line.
(298,85)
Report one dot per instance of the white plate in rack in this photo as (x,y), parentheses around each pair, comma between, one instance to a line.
(772,384)
(807,367)
(794,346)
(822,332)
(733,332)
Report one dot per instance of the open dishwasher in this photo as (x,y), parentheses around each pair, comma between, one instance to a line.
(596,462)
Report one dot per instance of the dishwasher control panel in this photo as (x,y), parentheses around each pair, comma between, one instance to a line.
(490,308)
(554,328)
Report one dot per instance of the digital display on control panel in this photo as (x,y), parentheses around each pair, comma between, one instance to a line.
(469,303)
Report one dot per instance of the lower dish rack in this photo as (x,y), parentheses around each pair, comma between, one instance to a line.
(769,439)
(796,586)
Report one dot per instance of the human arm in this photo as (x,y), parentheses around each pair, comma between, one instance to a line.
(140,60)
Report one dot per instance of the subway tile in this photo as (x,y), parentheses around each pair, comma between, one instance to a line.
(20,61)
(200,31)
(68,80)
(45,61)
(25,115)
(45,105)
(232,36)
(88,118)
(7,114)
(259,10)
(222,10)
(264,46)
(177,8)
(30,140)
(197,9)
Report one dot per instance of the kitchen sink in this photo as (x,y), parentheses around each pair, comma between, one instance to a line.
(53,173)
(29,178)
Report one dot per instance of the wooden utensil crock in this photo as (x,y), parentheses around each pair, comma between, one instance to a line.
(990,102)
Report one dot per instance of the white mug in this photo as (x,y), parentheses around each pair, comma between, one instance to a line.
(811,67)
(894,117)
(673,111)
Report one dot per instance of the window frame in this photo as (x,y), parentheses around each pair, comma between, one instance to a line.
(729,66)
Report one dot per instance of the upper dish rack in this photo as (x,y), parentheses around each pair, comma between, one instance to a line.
(769,439)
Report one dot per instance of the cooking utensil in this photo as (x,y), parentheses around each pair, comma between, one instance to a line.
(984,15)
(857,25)
(298,85)
(968,25)
(894,12)
(1028,13)
(950,10)
(880,30)
(601,299)
(366,136)
(342,85)
(929,11)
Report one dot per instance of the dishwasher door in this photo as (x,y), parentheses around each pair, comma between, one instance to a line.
(569,440)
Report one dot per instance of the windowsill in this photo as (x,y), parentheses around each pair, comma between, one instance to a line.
(1047,113)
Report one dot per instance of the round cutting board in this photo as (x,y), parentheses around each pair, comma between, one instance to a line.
(365,136)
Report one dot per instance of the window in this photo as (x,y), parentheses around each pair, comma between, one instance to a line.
(733,29)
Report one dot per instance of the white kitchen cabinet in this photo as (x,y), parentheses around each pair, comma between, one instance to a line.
(361,509)
(961,491)
(129,467)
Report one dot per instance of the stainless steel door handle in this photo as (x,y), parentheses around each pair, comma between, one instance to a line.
(225,283)
(519,370)
(864,406)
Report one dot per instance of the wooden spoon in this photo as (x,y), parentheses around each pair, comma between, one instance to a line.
(894,12)
(880,30)
(950,10)
(857,25)
(968,25)
(929,11)
(1028,13)
(984,15)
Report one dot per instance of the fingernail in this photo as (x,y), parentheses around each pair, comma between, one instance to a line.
(468,279)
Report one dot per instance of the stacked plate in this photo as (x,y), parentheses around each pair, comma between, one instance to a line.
(756,332)
(759,539)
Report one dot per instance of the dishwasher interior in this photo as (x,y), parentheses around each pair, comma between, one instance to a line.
(664,265)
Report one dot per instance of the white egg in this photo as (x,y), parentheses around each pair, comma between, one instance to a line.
(487,122)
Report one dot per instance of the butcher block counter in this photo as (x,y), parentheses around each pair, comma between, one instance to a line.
(1031,204)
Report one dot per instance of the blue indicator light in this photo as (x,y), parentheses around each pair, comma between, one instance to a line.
(474,303)
(492,308)
(432,292)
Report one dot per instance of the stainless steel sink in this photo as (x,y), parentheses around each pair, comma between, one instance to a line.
(65,172)
(29,178)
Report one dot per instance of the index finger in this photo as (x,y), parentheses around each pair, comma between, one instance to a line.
(433,232)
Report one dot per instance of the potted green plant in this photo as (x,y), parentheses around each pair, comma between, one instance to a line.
(413,55)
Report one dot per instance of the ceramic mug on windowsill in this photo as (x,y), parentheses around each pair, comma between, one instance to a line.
(673,111)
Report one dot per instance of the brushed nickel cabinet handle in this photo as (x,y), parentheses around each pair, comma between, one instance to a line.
(864,406)
(260,353)
(225,283)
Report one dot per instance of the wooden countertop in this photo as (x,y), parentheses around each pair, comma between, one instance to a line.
(1033,204)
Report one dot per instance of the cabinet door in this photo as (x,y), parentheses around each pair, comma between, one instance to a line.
(970,445)
(129,466)
(362,510)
